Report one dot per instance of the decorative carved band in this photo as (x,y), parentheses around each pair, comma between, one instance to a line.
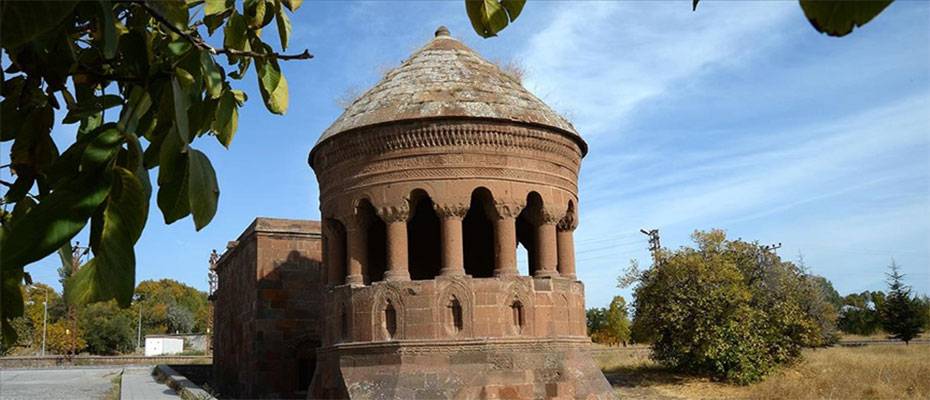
(378,140)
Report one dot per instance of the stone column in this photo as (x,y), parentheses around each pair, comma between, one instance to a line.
(396,220)
(546,246)
(505,240)
(565,232)
(336,250)
(357,249)
(453,259)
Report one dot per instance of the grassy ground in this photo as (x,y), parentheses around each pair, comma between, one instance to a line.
(870,372)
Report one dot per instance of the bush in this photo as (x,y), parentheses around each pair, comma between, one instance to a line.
(730,309)
(108,329)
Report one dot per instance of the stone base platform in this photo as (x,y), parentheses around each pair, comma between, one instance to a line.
(506,368)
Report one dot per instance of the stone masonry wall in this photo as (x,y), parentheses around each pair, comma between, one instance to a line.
(267,309)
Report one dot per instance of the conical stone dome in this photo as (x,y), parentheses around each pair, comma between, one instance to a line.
(445,79)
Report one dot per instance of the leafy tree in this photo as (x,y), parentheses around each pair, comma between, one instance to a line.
(618,321)
(902,314)
(169,306)
(596,319)
(108,329)
(728,308)
(142,82)
(61,336)
(859,313)
(180,320)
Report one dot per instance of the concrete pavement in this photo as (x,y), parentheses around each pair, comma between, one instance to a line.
(82,383)
(139,384)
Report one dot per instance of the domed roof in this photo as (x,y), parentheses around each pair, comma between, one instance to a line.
(445,78)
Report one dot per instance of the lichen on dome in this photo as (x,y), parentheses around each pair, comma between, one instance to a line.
(445,78)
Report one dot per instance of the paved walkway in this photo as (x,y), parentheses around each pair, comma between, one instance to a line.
(86,383)
(139,384)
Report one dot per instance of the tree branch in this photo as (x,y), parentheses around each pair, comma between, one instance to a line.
(201,44)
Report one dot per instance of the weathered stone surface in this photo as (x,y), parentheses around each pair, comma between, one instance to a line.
(269,298)
(428,183)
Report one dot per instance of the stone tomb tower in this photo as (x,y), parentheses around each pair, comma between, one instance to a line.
(428,183)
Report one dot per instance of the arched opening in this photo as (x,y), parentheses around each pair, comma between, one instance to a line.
(478,235)
(377,243)
(526,232)
(454,321)
(423,238)
(390,320)
(518,318)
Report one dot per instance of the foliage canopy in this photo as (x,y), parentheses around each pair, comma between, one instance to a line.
(731,309)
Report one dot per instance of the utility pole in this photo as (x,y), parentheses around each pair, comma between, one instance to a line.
(139,327)
(45,322)
(654,244)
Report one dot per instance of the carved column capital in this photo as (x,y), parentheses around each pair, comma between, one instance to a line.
(451,210)
(394,213)
(507,210)
(547,216)
(567,223)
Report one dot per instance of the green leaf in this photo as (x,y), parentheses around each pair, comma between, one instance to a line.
(284,27)
(89,107)
(24,21)
(513,7)
(226,120)
(111,273)
(134,163)
(213,7)
(272,85)
(234,34)
(491,16)
(108,26)
(138,104)
(255,13)
(212,75)
(204,191)
(64,254)
(51,223)
(840,17)
(175,11)
(102,148)
(173,178)
(181,103)
(293,5)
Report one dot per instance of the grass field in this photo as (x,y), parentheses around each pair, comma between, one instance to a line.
(870,372)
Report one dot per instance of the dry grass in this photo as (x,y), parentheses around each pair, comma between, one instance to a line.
(870,372)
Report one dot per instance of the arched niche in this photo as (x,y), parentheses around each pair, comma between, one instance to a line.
(388,314)
(455,310)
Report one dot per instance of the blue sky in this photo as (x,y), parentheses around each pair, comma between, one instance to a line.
(739,116)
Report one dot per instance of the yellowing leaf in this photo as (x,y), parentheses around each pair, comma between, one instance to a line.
(284,27)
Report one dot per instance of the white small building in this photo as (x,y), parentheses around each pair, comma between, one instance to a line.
(157,345)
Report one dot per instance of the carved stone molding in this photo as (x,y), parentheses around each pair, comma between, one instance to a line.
(418,135)
(451,210)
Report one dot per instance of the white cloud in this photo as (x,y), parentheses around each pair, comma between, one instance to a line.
(596,61)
